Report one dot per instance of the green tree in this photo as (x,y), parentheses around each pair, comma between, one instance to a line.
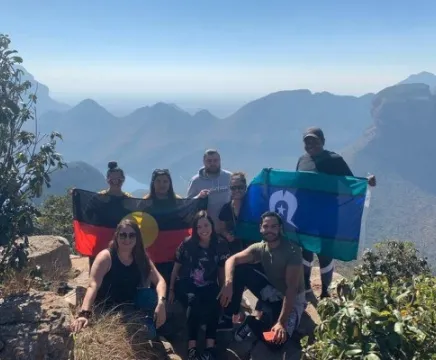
(26,159)
(56,218)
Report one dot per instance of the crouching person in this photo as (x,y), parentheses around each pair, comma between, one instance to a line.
(120,279)
(280,287)
(198,267)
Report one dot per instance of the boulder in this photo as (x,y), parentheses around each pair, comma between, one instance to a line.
(35,326)
(51,253)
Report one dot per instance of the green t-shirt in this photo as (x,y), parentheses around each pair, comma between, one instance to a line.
(275,261)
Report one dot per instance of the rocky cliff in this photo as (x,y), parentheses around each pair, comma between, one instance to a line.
(399,149)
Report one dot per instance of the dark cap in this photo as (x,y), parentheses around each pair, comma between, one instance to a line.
(314,132)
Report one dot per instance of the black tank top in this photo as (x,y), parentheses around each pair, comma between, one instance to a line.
(119,285)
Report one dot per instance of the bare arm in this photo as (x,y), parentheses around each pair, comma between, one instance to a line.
(293,274)
(244,257)
(99,269)
(157,280)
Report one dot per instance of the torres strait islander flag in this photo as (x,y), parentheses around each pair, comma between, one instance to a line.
(96,216)
(322,213)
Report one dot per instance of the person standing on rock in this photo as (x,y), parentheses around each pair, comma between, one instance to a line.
(119,275)
(317,159)
(280,286)
(215,180)
(163,197)
(198,268)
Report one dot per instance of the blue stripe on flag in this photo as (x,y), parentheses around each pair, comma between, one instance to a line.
(313,213)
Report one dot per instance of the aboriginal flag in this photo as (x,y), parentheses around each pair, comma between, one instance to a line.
(163,228)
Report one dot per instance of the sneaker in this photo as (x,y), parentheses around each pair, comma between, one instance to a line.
(310,297)
(243,331)
(225,324)
(209,354)
(193,354)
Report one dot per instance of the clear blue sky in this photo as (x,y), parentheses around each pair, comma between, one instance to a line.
(221,47)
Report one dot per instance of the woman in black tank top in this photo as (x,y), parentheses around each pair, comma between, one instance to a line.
(118,272)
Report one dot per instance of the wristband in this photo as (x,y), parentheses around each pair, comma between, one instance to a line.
(84,313)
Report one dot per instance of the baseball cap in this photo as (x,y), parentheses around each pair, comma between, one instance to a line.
(315,132)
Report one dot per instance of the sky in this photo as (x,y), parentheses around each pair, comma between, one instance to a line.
(219,49)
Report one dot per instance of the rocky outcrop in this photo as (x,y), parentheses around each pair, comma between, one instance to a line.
(35,326)
(51,253)
(399,150)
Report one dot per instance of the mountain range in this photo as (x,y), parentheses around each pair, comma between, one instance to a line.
(389,133)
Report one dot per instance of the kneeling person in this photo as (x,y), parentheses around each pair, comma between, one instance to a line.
(280,287)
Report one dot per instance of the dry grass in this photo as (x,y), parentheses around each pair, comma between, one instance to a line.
(20,282)
(110,337)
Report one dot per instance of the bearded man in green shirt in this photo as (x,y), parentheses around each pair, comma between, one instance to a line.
(280,287)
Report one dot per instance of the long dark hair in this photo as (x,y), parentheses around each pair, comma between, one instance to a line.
(140,257)
(195,238)
(154,175)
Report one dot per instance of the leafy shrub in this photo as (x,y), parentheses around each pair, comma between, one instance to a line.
(26,160)
(56,218)
(386,312)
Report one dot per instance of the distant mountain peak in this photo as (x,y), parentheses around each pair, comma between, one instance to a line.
(204,115)
(89,106)
(423,77)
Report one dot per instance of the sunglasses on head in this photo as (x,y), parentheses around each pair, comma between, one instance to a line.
(238,187)
(157,172)
(124,235)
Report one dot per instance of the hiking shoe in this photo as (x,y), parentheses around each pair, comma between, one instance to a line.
(225,324)
(193,354)
(209,354)
(244,330)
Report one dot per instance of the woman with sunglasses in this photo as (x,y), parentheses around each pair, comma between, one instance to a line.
(115,179)
(227,220)
(229,213)
(118,273)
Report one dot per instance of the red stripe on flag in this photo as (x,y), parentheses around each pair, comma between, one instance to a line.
(91,239)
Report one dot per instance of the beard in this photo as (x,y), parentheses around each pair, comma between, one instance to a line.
(214,170)
(270,237)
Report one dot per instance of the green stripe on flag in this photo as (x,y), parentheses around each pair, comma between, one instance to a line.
(341,185)
(339,249)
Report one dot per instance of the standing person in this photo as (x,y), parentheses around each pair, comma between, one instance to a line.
(115,178)
(118,272)
(317,159)
(163,197)
(280,287)
(198,268)
(213,178)
(228,215)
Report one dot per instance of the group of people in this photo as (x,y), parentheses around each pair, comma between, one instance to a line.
(212,267)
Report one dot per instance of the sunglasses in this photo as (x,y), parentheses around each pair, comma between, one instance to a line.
(124,235)
(238,187)
(115,181)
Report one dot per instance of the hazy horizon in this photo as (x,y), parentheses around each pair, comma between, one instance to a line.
(204,53)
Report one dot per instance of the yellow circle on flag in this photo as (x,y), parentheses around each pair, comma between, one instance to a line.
(147,224)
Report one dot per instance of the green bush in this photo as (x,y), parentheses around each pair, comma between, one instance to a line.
(386,312)
(56,218)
